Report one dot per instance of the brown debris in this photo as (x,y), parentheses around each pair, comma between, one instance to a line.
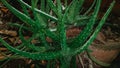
(8,32)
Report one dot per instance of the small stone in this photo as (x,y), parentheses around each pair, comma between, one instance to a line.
(1,22)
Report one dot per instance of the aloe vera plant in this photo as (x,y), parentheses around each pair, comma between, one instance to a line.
(48,13)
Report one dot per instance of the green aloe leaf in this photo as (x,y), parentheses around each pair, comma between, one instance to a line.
(81,38)
(90,8)
(66,3)
(24,9)
(92,37)
(39,11)
(52,6)
(42,5)
(59,8)
(35,56)
(74,10)
(78,45)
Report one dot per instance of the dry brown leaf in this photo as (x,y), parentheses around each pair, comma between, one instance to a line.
(43,62)
(3,49)
(29,61)
(72,32)
(32,66)
(4,9)
(2,57)
(26,38)
(12,40)
(8,32)
(101,38)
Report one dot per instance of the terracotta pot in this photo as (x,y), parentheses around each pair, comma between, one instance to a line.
(104,54)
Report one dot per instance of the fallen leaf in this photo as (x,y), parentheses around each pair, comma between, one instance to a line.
(3,49)
(101,38)
(43,62)
(2,57)
(8,32)
(12,40)
(4,9)
(1,22)
(32,66)
(72,32)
